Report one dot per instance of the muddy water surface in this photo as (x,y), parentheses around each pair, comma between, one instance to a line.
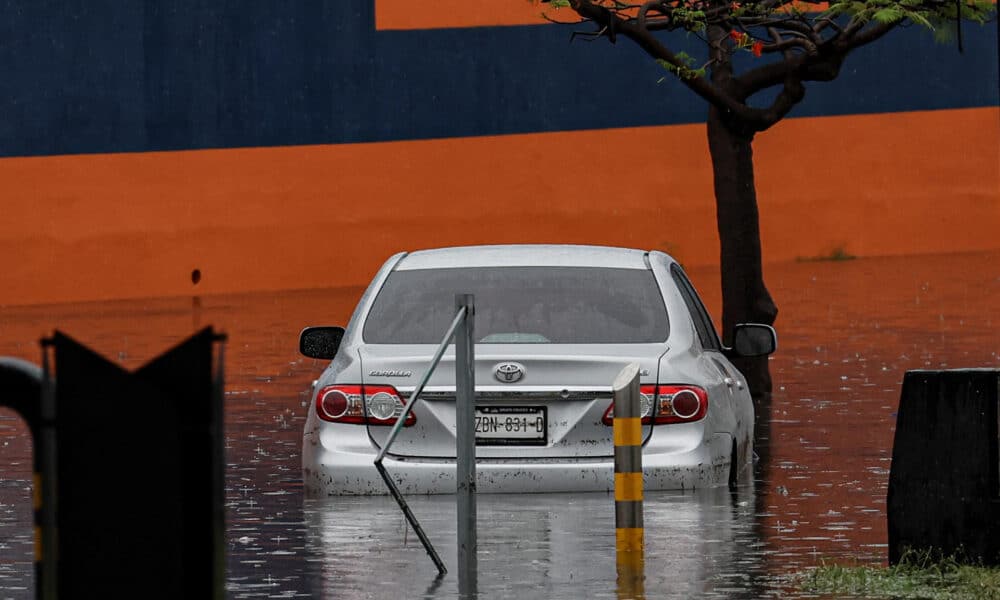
(848,331)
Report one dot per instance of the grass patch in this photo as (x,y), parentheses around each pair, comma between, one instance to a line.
(835,255)
(918,575)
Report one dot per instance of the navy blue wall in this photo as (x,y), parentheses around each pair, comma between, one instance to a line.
(110,76)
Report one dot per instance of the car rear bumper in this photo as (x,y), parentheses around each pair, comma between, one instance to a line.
(352,472)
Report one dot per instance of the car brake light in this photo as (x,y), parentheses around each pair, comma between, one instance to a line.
(680,404)
(685,404)
(360,405)
(666,404)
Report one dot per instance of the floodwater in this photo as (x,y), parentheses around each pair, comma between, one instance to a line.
(848,331)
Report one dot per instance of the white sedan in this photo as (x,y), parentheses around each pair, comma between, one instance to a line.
(554,325)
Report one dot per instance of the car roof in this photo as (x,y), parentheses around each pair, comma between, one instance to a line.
(542,255)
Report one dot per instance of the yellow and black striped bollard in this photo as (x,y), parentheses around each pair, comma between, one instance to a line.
(628,483)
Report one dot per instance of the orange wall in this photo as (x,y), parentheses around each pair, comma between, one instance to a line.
(135,225)
(435,14)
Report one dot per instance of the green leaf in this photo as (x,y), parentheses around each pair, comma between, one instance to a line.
(919,19)
(890,14)
(682,72)
(685,58)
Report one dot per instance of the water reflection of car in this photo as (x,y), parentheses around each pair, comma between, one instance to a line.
(554,326)
(554,546)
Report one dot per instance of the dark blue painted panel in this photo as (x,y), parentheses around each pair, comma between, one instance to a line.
(106,76)
(71,76)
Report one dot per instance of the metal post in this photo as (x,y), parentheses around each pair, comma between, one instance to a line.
(218,468)
(628,482)
(465,446)
(48,586)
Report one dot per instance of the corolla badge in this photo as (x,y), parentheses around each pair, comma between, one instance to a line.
(508,372)
(389,373)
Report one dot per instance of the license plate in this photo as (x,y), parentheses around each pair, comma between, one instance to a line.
(511,426)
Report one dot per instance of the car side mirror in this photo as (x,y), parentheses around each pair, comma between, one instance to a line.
(753,339)
(320,342)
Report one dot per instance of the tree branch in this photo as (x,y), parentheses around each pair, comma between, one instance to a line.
(862,37)
(807,56)
(824,65)
(728,103)
(791,94)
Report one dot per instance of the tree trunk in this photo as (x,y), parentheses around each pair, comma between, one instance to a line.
(745,299)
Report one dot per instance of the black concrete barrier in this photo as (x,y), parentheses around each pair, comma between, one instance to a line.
(944,486)
(129,470)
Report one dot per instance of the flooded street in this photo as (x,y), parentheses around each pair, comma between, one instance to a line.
(848,331)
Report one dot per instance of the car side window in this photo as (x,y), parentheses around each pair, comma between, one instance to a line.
(702,322)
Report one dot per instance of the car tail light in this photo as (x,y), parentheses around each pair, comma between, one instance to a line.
(361,405)
(665,404)
(340,404)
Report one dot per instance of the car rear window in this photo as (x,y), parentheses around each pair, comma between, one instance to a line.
(554,305)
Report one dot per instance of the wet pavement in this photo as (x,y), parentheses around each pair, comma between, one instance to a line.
(847,333)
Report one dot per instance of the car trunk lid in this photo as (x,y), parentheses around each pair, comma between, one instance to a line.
(568,387)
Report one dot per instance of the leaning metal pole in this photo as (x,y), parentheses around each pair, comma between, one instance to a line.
(465,422)
(393,490)
(420,386)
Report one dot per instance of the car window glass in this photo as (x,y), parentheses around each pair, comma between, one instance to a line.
(702,321)
(521,305)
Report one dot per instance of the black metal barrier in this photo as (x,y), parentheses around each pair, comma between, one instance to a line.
(944,486)
(129,470)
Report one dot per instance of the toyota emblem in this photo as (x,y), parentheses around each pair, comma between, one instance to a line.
(508,372)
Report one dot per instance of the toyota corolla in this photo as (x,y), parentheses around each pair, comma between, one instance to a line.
(554,325)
